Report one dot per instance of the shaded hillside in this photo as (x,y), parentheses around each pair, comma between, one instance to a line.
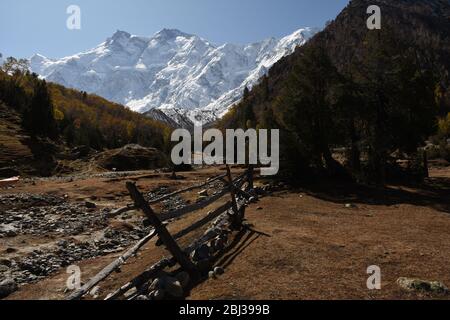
(373,92)
(424,24)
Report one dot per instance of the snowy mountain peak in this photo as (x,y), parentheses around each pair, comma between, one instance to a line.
(180,74)
(120,35)
(171,34)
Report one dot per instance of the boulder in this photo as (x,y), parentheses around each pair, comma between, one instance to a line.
(411,285)
(7,287)
(201,253)
(172,287)
(131,158)
(166,285)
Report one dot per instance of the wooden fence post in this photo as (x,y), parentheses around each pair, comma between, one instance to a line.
(250,177)
(237,221)
(163,234)
(425,164)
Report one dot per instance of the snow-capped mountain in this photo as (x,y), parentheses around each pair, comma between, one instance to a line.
(182,75)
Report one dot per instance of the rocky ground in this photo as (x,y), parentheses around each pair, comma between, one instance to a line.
(316,242)
(42,233)
(75,232)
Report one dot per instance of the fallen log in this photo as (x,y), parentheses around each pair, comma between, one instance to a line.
(78,294)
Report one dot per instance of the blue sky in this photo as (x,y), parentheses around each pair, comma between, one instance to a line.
(29,26)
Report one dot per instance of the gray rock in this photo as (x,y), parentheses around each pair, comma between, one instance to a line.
(172,287)
(203,193)
(211,275)
(6,262)
(7,287)
(90,205)
(201,253)
(411,285)
(130,293)
(3,268)
(218,271)
(156,284)
(157,295)
(142,298)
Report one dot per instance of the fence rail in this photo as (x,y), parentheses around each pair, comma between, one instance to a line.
(227,216)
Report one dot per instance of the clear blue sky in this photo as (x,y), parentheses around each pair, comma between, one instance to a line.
(30,26)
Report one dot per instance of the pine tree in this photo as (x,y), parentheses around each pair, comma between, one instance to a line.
(39,118)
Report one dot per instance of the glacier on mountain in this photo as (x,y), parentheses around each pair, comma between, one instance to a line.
(182,75)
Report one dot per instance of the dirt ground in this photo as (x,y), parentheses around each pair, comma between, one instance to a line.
(309,244)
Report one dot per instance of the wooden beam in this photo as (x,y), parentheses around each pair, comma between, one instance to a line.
(250,172)
(213,215)
(154,270)
(78,294)
(167,196)
(163,234)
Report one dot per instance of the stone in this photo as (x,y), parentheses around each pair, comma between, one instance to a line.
(8,230)
(211,275)
(155,285)
(90,205)
(142,298)
(131,158)
(130,293)
(201,253)
(7,287)
(95,292)
(172,287)
(411,285)
(11,250)
(157,295)
(203,193)
(6,262)
(3,268)
(218,271)
(218,244)
(350,206)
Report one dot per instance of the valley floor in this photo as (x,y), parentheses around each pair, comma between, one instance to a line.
(312,244)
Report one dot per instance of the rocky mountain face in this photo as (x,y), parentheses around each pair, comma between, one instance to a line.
(182,75)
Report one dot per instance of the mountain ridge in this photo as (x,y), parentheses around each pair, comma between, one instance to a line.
(172,71)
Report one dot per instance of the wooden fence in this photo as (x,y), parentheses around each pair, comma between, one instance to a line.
(225,219)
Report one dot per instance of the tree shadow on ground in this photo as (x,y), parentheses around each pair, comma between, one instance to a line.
(242,241)
(433,193)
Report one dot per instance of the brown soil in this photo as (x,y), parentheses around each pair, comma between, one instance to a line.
(309,245)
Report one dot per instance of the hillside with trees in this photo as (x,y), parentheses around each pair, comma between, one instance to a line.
(54,119)
(369,93)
